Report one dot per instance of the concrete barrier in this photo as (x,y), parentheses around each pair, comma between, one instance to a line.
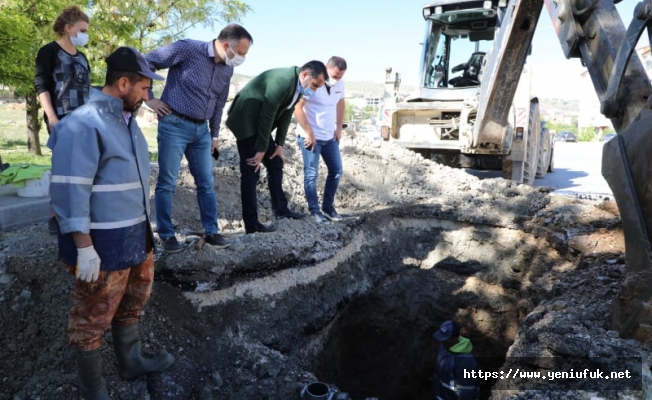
(16,212)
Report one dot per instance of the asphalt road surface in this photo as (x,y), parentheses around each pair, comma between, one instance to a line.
(577,170)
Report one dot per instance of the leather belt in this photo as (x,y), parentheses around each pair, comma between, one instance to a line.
(187,118)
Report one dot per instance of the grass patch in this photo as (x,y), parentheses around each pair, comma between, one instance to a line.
(11,144)
(150,132)
(16,157)
(13,137)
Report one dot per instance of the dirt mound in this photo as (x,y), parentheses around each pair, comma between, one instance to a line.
(353,304)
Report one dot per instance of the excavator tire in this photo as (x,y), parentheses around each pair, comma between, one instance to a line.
(545,151)
(532,149)
(551,164)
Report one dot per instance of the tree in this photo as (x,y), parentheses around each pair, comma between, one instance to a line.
(17,54)
(149,24)
(15,43)
(350,112)
(588,134)
(369,111)
(144,24)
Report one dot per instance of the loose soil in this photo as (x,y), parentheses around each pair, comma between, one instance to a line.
(353,304)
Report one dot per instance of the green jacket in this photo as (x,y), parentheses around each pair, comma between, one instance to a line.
(262,106)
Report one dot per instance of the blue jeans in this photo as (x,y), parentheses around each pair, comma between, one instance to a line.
(177,137)
(330,152)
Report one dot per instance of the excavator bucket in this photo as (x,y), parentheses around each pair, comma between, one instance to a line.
(627,167)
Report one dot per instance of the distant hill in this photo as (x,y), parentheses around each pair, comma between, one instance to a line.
(365,88)
(569,107)
(362,88)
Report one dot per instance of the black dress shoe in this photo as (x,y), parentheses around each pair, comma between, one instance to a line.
(290,214)
(217,241)
(171,245)
(261,228)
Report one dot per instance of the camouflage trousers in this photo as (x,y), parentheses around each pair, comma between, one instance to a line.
(116,297)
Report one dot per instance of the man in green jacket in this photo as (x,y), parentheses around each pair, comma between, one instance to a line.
(264,104)
(454,365)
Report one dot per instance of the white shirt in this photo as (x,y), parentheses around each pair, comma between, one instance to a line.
(321,111)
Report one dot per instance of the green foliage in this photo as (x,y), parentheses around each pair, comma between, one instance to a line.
(26,25)
(13,143)
(562,128)
(22,157)
(587,134)
(144,25)
(147,25)
(16,47)
(369,112)
(349,114)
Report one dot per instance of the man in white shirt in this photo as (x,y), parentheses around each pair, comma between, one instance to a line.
(320,119)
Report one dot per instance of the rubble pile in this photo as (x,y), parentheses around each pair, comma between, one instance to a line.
(351,304)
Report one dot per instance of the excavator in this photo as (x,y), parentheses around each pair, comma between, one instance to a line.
(474,105)
(487,110)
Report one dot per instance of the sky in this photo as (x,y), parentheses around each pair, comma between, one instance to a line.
(373,35)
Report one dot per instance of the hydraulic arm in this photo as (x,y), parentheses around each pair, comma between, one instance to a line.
(593,31)
(502,73)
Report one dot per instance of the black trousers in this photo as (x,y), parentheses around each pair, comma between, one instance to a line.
(249,179)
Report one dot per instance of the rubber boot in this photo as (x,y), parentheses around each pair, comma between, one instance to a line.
(127,350)
(91,383)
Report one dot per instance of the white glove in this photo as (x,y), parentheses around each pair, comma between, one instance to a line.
(88,264)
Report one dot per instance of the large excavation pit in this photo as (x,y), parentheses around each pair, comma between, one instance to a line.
(362,320)
(352,304)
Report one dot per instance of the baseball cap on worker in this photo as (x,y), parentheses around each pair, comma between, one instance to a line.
(128,59)
(447,330)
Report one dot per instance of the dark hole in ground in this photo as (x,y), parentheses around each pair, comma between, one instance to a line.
(366,325)
(382,346)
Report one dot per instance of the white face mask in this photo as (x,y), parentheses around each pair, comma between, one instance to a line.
(332,81)
(80,40)
(236,60)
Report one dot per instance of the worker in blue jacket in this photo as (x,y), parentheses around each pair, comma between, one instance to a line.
(454,358)
(100,195)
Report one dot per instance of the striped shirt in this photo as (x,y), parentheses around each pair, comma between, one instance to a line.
(196,85)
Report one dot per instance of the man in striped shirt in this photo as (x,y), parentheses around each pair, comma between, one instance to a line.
(197,86)
(100,195)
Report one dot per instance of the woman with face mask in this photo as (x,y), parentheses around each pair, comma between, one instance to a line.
(62,78)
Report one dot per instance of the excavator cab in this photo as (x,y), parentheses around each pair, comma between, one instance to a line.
(457,40)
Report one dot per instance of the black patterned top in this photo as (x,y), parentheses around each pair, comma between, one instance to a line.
(65,76)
